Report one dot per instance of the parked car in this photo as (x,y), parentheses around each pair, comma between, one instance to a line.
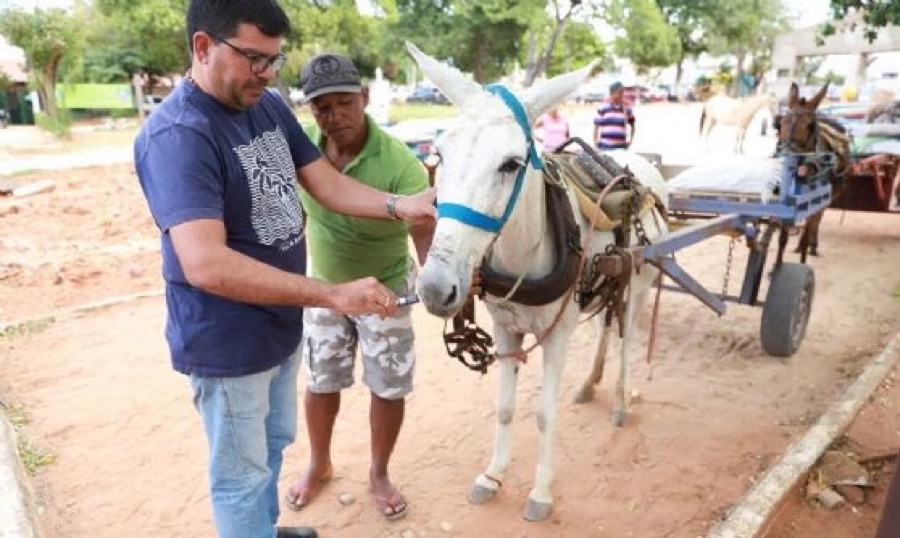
(591,94)
(427,94)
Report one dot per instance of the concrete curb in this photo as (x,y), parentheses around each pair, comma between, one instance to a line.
(96,305)
(17,516)
(747,518)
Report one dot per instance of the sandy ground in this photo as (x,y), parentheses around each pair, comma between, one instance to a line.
(130,454)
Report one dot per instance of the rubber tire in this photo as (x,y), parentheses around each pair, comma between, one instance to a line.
(786,312)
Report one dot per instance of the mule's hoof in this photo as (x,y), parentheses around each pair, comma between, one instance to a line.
(584,395)
(536,511)
(813,252)
(479,494)
(618,418)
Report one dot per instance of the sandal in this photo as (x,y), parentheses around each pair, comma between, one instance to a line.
(296,501)
(393,507)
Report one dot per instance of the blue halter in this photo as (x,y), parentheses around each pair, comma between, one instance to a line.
(482,221)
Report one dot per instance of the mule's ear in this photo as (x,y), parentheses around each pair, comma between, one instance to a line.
(817,98)
(457,87)
(793,95)
(539,99)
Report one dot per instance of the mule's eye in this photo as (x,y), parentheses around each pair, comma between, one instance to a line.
(512,165)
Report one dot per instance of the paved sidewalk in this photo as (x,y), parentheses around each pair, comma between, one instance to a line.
(80,159)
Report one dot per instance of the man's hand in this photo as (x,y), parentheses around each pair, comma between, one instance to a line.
(364,296)
(417,206)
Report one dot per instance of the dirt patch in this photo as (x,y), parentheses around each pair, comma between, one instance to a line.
(872,439)
(130,454)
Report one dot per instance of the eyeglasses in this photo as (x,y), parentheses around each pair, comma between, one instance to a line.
(258,63)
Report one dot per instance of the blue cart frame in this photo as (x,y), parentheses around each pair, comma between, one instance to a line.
(798,198)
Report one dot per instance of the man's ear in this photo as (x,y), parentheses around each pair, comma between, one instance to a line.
(365,96)
(201,42)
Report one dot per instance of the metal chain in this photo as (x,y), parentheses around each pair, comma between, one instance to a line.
(638,223)
(728,261)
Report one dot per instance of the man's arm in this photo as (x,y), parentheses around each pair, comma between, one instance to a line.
(422,232)
(338,192)
(631,123)
(209,264)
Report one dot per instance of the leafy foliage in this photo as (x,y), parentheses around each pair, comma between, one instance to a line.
(875,14)
(648,40)
(51,39)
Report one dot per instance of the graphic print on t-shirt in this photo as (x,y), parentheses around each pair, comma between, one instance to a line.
(267,163)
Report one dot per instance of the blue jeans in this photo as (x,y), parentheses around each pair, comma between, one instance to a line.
(249,421)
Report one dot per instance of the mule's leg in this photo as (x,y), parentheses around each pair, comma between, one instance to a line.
(637,295)
(809,238)
(586,392)
(487,484)
(708,129)
(782,243)
(803,241)
(540,499)
(813,227)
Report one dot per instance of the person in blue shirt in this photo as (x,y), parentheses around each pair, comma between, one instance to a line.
(219,162)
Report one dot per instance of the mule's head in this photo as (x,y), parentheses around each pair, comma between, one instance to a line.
(484,156)
(798,127)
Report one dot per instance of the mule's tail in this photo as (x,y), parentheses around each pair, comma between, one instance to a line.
(702,119)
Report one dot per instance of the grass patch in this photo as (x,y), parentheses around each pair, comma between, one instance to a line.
(26,328)
(32,458)
(25,172)
(895,293)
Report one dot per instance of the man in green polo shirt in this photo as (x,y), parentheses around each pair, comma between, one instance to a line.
(345,248)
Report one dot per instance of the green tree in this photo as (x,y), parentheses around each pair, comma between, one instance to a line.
(692,21)
(538,59)
(578,46)
(51,39)
(876,14)
(648,41)
(490,33)
(746,29)
(335,27)
(138,37)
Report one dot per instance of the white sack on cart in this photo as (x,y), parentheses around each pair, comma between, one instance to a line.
(736,174)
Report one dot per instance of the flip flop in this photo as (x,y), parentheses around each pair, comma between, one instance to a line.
(297,501)
(393,507)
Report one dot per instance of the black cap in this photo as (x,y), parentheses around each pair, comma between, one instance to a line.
(329,73)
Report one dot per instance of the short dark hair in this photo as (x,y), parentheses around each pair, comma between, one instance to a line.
(222,17)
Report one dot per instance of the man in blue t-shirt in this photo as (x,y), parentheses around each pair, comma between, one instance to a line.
(218,162)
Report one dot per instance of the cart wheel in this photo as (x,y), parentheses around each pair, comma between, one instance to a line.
(786,312)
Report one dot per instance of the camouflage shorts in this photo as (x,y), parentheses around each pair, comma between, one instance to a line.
(330,340)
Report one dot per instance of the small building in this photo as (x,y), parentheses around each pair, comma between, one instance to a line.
(15,98)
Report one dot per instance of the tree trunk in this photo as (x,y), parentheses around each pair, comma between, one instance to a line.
(679,72)
(739,72)
(530,60)
(544,59)
(478,64)
(51,108)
